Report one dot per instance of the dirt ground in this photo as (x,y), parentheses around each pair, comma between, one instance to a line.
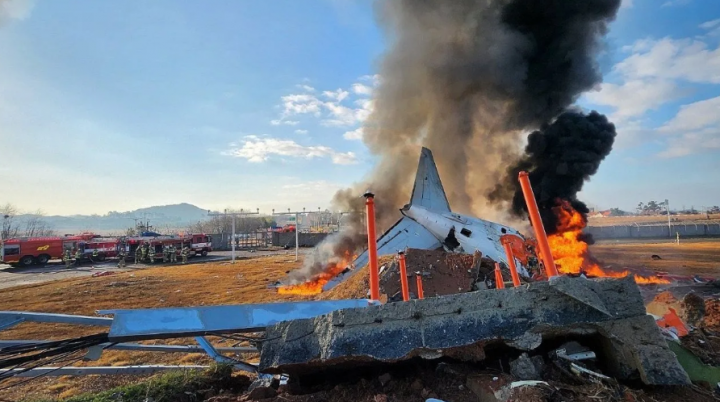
(688,258)
(655,219)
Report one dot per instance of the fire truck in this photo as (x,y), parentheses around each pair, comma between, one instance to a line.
(199,244)
(27,251)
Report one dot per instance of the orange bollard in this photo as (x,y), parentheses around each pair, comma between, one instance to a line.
(403,276)
(499,281)
(540,235)
(372,246)
(511,264)
(421,294)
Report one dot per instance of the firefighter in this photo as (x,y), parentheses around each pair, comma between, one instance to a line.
(165,253)
(95,255)
(121,257)
(138,254)
(151,253)
(185,253)
(144,251)
(173,254)
(67,258)
(78,256)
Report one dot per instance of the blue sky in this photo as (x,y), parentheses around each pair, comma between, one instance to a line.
(116,105)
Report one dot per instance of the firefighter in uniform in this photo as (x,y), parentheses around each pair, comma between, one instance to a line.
(151,253)
(165,253)
(185,253)
(95,255)
(67,258)
(144,251)
(78,256)
(121,257)
(173,254)
(138,254)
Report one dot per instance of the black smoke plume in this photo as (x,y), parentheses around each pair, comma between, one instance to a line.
(466,78)
(559,157)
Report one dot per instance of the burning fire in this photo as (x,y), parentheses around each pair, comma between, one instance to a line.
(315,285)
(571,253)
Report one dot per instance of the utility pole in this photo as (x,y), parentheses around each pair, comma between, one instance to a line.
(2,238)
(340,216)
(297,228)
(242,213)
(667,206)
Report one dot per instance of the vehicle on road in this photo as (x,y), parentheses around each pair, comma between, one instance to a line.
(27,251)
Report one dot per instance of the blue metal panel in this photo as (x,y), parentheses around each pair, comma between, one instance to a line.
(142,348)
(9,319)
(215,355)
(191,321)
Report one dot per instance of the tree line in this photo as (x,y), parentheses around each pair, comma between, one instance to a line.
(30,225)
(655,208)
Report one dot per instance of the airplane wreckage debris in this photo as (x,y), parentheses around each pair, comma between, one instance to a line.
(606,315)
(587,328)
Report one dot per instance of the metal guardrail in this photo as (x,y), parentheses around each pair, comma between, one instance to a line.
(98,370)
(164,323)
(191,321)
(9,319)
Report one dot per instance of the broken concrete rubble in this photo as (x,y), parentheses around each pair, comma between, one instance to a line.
(461,326)
(527,368)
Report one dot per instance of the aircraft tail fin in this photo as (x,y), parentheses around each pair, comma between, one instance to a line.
(428,191)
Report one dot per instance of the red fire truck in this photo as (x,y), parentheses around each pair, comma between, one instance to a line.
(27,251)
(197,243)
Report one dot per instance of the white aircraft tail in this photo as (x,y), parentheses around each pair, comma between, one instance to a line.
(428,191)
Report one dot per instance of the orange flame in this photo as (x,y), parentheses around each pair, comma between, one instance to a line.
(315,284)
(571,253)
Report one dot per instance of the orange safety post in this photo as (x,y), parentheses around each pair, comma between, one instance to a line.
(511,264)
(372,246)
(499,281)
(403,276)
(540,235)
(421,294)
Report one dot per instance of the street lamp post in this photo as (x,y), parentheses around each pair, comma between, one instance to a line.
(2,238)
(667,207)
(242,213)
(297,227)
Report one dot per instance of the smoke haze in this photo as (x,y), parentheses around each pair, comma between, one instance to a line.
(466,78)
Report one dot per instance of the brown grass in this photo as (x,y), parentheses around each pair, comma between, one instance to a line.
(198,284)
(243,282)
(687,258)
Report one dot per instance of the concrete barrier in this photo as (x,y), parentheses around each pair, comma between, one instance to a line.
(305,239)
(653,231)
(713,229)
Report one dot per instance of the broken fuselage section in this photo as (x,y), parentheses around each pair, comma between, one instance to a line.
(429,223)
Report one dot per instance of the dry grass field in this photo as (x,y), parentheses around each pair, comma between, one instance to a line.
(200,284)
(655,219)
(243,282)
(687,258)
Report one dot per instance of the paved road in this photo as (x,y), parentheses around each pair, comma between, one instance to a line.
(55,270)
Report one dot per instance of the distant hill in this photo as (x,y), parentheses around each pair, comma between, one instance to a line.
(176,216)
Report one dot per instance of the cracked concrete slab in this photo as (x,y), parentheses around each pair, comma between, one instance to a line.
(461,325)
